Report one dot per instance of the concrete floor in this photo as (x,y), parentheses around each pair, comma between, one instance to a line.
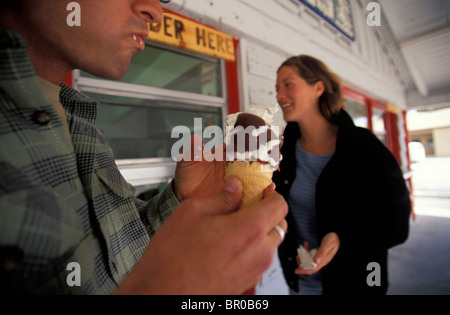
(421,266)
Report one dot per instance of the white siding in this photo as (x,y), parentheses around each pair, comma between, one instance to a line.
(276,29)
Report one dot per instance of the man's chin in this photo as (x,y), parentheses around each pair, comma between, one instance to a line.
(114,72)
(116,75)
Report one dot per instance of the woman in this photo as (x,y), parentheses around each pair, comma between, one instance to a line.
(345,190)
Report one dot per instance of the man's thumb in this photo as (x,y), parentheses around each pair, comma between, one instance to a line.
(229,198)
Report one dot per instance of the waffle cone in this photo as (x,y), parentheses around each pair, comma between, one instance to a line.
(254,180)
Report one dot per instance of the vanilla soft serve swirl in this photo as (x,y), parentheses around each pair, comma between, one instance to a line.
(251,137)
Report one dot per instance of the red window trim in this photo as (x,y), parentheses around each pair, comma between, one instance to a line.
(232,82)
(390,119)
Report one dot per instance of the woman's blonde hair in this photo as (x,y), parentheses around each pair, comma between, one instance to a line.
(313,70)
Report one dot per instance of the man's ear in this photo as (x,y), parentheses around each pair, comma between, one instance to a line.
(319,88)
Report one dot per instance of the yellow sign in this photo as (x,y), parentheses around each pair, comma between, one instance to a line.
(391,108)
(181,32)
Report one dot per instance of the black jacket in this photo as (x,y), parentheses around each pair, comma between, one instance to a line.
(362,196)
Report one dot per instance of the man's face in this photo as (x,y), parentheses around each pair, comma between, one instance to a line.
(111,32)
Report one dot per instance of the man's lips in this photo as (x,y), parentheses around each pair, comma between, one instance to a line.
(140,39)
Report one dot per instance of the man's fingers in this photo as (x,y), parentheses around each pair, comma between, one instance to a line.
(196,148)
(265,215)
(269,212)
(195,153)
(278,233)
(269,189)
(227,200)
(217,153)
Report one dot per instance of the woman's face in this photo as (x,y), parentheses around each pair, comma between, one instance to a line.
(296,97)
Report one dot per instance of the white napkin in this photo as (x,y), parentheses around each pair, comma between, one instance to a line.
(306,258)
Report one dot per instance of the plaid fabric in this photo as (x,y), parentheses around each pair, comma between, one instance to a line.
(63,200)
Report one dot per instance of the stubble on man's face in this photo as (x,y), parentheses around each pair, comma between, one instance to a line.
(103,45)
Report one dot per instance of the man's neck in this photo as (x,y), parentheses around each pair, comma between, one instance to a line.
(46,66)
(44,60)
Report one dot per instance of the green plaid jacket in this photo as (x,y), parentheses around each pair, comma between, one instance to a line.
(63,200)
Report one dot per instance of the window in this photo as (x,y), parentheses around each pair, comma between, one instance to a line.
(162,68)
(141,129)
(358,111)
(378,125)
(162,89)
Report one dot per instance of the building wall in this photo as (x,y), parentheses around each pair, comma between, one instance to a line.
(442,141)
(432,129)
(426,138)
(435,141)
(272,30)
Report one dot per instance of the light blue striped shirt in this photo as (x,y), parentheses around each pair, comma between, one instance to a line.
(302,205)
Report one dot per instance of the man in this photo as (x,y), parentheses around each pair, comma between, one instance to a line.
(62,198)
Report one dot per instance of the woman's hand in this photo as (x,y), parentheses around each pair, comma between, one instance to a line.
(326,252)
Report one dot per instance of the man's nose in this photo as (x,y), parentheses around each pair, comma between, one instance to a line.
(149,10)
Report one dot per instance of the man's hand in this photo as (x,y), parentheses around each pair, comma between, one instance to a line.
(199,178)
(208,247)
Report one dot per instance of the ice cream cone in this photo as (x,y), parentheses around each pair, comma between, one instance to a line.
(254,177)
(252,147)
